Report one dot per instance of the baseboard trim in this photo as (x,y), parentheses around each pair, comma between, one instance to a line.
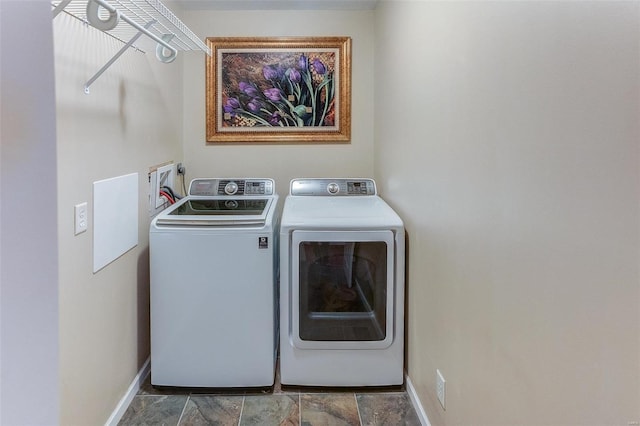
(415,400)
(134,387)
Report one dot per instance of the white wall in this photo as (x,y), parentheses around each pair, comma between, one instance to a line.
(28,248)
(282,162)
(518,124)
(131,120)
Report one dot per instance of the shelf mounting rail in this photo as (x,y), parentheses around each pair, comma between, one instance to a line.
(130,19)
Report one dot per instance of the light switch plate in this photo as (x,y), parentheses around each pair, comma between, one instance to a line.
(440,387)
(81,221)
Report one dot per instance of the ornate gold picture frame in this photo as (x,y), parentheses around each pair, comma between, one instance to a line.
(278,90)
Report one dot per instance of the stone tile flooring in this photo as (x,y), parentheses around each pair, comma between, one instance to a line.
(290,407)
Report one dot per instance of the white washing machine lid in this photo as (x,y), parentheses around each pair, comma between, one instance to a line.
(222,202)
(219,211)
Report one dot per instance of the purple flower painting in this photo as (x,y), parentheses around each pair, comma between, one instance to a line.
(292,89)
(281,89)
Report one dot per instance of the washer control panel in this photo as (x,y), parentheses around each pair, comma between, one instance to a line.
(333,187)
(209,187)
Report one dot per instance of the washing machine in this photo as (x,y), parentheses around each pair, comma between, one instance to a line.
(213,263)
(342,257)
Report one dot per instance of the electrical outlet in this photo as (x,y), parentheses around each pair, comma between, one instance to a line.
(440,387)
(80,218)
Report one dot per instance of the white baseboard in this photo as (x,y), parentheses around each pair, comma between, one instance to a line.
(415,400)
(134,387)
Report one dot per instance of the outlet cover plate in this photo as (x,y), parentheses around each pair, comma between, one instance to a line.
(164,177)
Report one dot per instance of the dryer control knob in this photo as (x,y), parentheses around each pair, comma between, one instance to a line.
(333,188)
(231,188)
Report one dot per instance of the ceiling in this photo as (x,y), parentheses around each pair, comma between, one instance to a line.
(276,4)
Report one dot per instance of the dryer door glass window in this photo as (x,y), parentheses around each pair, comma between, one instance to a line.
(344,290)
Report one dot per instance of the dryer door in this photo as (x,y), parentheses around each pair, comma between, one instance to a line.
(342,289)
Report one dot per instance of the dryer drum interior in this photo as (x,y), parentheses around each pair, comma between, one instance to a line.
(343,291)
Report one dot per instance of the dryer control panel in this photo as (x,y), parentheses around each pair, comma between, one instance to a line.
(333,187)
(209,187)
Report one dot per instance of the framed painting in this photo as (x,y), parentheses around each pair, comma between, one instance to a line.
(278,90)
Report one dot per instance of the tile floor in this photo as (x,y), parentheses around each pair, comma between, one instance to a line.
(288,406)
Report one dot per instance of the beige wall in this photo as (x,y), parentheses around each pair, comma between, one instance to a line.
(520,133)
(520,122)
(282,162)
(130,121)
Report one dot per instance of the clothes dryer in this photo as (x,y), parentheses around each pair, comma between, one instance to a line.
(342,259)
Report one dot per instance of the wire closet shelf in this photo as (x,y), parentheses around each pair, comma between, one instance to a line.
(127,20)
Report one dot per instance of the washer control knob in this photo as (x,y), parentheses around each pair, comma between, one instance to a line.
(333,188)
(231,188)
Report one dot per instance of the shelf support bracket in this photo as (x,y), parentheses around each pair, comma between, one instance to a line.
(135,25)
(60,7)
(116,56)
